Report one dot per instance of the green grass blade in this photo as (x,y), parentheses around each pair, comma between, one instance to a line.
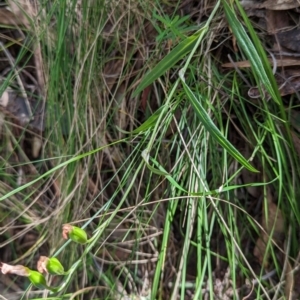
(171,59)
(59,166)
(253,50)
(212,128)
(150,122)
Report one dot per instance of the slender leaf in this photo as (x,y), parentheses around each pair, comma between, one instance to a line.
(254,51)
(212,128)
(171,59)
(145,156)
(59,166)
(150,122)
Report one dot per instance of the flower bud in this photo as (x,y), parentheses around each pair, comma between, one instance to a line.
(74,233)
(50,265)
(37,279)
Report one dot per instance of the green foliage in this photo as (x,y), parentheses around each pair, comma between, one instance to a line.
(179,52)
(170,176)
(173,28)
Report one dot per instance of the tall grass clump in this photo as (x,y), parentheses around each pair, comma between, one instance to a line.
(172,182)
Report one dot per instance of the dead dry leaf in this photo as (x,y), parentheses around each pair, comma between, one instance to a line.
(21,10)
(280,62)
(288,86)
(276,21)
(113,153)
(7,17)
(112,72)
(37,144)
(280,4)
(121,118)
(290,39)
(270,4)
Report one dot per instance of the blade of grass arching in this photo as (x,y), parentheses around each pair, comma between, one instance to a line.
(253,50)
(188,45)
(212,128)
(179,52)
(281,148)
(153,119)
(262,54)
(69,161)
(268,133)
(150,122)
(162,172)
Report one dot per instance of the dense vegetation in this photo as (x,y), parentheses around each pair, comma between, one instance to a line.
(163,130)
